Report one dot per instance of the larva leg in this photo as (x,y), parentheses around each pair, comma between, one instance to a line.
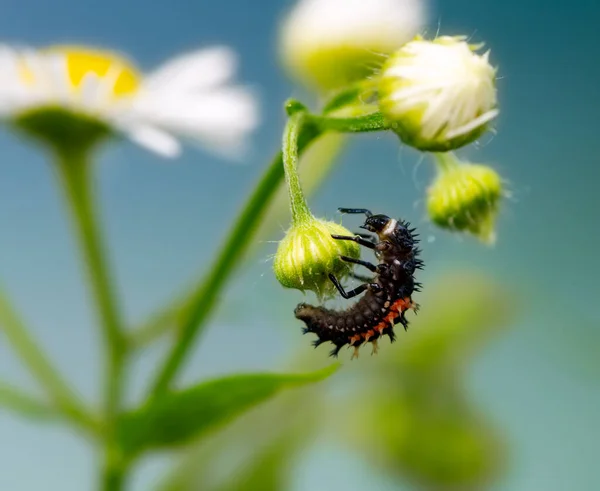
(357,291)
(356,211)
(368,237)
(355,238)
(366,264)
(352,293)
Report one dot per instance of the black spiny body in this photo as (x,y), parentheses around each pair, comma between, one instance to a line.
(387,295)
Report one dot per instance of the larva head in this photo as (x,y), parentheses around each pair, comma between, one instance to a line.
(378,224)
(392,231)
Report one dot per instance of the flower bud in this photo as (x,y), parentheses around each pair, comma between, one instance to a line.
(465,198)
(438,95)
(308,253)
(330,43)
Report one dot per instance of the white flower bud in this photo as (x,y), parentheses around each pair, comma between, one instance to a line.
(330,43)
(438,95)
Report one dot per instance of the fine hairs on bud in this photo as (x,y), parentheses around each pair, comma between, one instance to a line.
(465,197)
(438,95)
(308,254)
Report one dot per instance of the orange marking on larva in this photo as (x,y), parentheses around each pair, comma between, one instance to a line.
(396,308)
(355,338)
(369,335)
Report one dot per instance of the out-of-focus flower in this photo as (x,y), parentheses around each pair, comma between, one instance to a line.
(438,95)
(465,197)
(71,87)
(330,43)
(308,253)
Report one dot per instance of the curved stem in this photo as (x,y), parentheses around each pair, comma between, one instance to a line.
(205,294)
(75,173)
(352,94)
(42,368)
(298,205)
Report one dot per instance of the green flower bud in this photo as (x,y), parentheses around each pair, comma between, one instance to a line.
(308,253)
(327,44)
(438,95)
(465,198)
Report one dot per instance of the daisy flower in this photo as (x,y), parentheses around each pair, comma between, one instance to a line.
(82,93)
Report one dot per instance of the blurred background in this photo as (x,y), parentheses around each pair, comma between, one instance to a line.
(525,399)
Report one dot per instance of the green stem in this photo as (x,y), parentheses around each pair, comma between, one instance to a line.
(446,161)
(351,95)
(158,324)
(42,368)
(360,124)
(76,175)
(114,472)
(300,211)
(26,405)
(207,291)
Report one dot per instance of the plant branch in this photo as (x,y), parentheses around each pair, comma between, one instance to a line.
(26,405)
(45,373)
(291,133)
(206,292)
(75,172)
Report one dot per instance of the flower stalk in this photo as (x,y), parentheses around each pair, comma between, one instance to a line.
(200,302)
(300,212)
(74,171)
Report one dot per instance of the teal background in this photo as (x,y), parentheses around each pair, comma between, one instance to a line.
(164,220)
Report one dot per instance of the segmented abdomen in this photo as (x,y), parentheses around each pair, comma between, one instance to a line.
(367,320)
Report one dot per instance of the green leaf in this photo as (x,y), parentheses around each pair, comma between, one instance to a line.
(181,416)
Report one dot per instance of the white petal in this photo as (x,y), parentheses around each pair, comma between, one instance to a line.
(90,90)
(11,90)
(196,70)
(57,77)
(155,140)
(220,118)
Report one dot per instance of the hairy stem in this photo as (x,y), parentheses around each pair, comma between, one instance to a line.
(298,205)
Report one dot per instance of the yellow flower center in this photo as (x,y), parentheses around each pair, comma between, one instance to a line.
(81,61)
